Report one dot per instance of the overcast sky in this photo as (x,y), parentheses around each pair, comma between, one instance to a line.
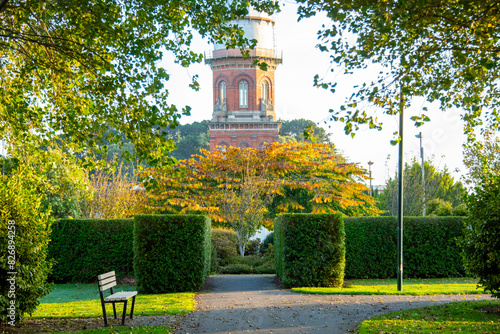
(297,98)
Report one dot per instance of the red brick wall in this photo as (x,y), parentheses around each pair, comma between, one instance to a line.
(236,137)
(232,70)
(231,73)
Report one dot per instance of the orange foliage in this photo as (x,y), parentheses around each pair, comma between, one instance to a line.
(199,184)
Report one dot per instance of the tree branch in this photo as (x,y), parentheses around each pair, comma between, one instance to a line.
(3,4)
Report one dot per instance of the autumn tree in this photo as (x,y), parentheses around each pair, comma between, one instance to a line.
(235,185)
(189,138)
(112,195)
(445,52)
(439,185)
(245,208)
(231,185)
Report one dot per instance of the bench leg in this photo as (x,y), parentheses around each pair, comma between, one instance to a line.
(114,310)
(132,310)
(104,313)
(124,312)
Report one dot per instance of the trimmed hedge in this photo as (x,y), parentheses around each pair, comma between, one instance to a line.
(85,248)
(429,247)
(310,249)
(171,252)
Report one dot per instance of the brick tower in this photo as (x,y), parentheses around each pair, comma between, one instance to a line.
(243,112)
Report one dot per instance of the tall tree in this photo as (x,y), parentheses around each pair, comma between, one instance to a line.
(189,139)
(438,185)
(244,208)
(223,182)
(482,158)
(481,234)
(77,68)
(295,129)
(443,51)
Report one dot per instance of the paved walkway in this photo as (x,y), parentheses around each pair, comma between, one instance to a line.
(254,304)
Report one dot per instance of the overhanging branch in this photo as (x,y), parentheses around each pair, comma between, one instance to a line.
(3,3)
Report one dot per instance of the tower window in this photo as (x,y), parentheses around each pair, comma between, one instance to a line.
(222,88)
(265,90)
(243,94)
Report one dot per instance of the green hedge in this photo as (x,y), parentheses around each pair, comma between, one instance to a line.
(429,247)
(310,249)
(171,252)
(83,249)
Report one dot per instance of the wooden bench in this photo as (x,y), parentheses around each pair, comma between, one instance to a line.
(108,281)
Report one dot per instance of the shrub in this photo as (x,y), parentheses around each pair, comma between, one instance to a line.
(429,247)
(171,252)
(481,234)
(251,260)
(439,208)
(252,264)
(225,242)
(214,263)
(310,249)
(83,249)
(252,247)
(237,268)
(268,240)
(24,236)
(460,210)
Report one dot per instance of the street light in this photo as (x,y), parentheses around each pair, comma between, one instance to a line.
(423,172)
(370,163)
(400,191)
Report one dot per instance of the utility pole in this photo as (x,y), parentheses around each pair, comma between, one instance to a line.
(370,163)
(423,172)
(400,192)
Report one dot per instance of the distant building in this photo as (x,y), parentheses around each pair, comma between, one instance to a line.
(243,94)
(378,189)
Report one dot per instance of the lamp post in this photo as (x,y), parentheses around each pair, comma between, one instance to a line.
(370,163)
(423,172)
(400,193)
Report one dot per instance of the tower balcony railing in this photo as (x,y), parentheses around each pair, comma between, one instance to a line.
(236,53)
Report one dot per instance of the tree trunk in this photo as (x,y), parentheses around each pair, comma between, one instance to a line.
(242,249)
(241,244)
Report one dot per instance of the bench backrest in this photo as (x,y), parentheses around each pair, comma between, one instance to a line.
(106,281)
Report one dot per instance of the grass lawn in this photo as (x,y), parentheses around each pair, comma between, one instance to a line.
(70,301)
(82,301)
(461,317)
(416,287)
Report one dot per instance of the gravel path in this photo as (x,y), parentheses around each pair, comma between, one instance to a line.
(254,304)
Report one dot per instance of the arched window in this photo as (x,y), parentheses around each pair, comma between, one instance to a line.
(222,145)
(263,143)
(265,91)
(222,88)
(243,94)
(244,144)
